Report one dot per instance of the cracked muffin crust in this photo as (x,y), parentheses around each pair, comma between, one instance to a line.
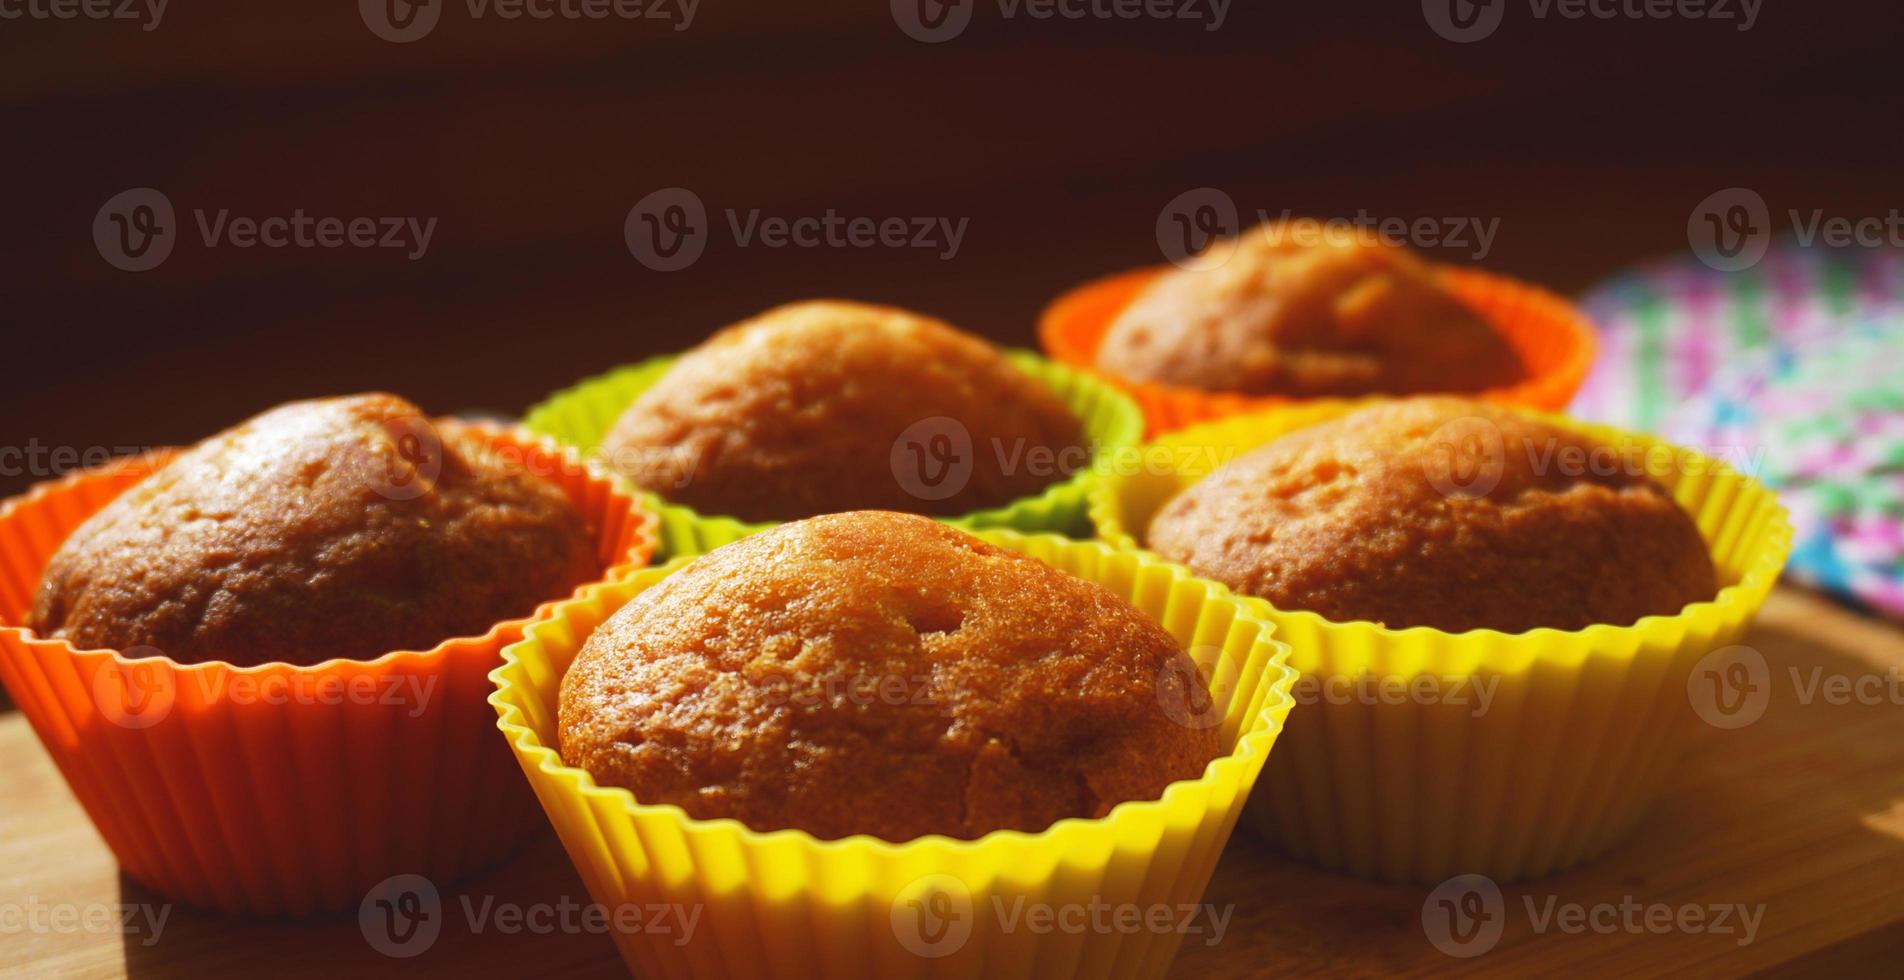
(881,673)
(1272,315)
(798,412)
(333,528)
(1445,513)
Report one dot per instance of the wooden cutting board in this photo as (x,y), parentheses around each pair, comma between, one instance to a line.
(1797,819)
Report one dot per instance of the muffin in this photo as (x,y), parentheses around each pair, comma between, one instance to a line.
(880,673)
(831,406)
(335,528)
(1267,314)
(1445,513)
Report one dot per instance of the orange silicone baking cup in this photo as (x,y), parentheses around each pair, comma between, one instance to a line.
(281,789)
(1554,339)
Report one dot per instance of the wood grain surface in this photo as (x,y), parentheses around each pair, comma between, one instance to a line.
(1799,819)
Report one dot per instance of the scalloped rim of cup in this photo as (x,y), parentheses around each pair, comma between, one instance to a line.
(1761,570)
(1257,738)
(1571,372)
(645,539)
(1126,429)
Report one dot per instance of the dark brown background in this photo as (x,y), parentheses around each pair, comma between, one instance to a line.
(1591,142)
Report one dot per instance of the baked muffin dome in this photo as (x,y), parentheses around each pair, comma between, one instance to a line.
(319,529)
(881,673)
(797,412)
(1270,316)
(1446,513)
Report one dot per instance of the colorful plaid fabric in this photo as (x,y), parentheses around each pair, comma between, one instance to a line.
(1667,326)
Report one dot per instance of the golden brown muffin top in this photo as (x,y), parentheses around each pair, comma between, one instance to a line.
(881,673)
(1273,313)
(340,527)
(829,406)
(1446,513)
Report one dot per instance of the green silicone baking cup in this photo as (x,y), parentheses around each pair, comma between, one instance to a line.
(581,415)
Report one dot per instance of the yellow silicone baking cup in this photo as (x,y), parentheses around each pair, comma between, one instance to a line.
(785,904)
(581,415)
(1581,731)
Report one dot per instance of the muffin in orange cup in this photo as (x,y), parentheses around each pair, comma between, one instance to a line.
(302,764)
(1267,319)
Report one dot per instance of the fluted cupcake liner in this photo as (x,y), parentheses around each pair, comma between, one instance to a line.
(1526,753)
(282,789)
(1554,339)
(581,415)
(787,905)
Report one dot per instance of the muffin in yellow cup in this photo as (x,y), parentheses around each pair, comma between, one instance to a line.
(1419,753)
(788,904)
(828,406)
